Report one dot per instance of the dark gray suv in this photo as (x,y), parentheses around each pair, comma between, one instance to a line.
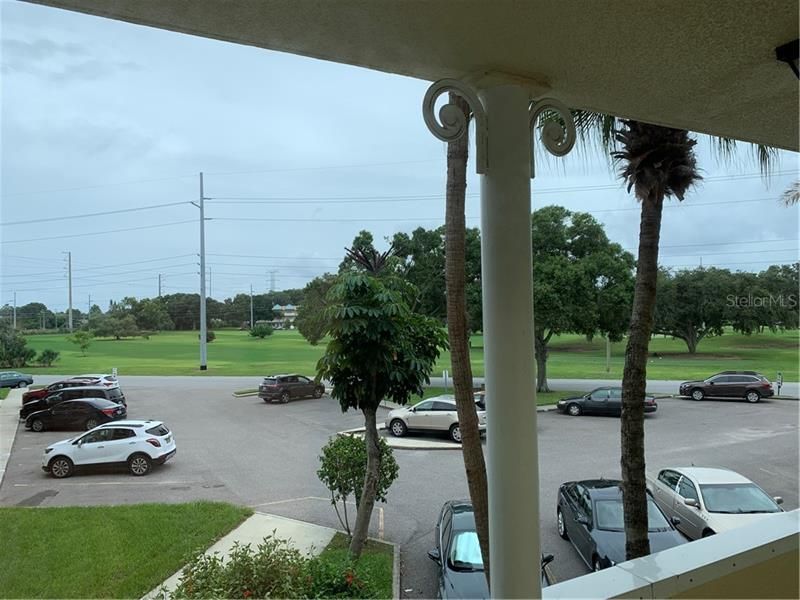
(749,385)
(287,387)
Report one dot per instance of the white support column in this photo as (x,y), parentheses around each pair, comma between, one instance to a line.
(504,120)
(513,467)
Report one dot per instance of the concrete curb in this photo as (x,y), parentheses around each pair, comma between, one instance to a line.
(245,395)
(9,421)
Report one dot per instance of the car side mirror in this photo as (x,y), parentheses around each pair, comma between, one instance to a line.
(691,502)
(583,520)
(675,521)
(547,559)
(80,443)
(435,556)
(778,499)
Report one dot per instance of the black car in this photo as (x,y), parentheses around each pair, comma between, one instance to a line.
(73,393)
(37,394)
(287,387)
(76,415)
(458,553)
(11,379)
(749,385)
(590,515)
(601,401)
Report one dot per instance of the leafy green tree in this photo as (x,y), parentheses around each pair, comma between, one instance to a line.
(47,357)
(311,319)
(343,471)
(152,315)
(379,348)
(582,282)
(691,304)
(14,351)
(261,331)
(363,242)
(82,339)
(116,325)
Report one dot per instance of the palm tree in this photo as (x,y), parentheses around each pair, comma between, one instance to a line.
(657,162)
(792,195)
(458,334)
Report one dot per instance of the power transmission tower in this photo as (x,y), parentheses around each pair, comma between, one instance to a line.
(272,280)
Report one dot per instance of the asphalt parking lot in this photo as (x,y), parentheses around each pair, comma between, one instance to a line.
(245,451)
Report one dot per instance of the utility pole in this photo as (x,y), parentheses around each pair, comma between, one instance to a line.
(69,278)
(252,323)
(42,313)
(159,285)
(15,309)
(209,283)
(203,326)
(608,353)
(90,304)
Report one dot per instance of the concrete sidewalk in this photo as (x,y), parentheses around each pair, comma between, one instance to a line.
(9,419)
(305,537)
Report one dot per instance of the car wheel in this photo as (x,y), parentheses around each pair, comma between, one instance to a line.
(21,384)
(562,528)
(574,410)
(398,428)
(91,423)
(318,392)
(60,467)
(139,464)
(284,397)
(698,394)
(37,425)
(455,433)
(753,396)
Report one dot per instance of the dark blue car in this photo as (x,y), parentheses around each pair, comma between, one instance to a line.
(11,379)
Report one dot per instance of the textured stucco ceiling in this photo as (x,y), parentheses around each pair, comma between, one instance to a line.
(707,66)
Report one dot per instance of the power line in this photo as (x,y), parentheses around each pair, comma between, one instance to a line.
(107,231)
(730,253)
(736,243)
(96,214)
(279,257)
(329,167)
(137,262)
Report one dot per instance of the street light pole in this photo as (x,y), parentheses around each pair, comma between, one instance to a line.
(252,323)
(69,275)
(15,310)
(203,326)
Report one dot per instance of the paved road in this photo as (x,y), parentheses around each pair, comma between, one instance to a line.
(197,382)
(245,451)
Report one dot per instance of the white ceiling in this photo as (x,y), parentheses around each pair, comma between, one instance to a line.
(704,66)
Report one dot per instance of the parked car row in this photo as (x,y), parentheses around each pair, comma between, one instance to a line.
(81,402)
(683,504)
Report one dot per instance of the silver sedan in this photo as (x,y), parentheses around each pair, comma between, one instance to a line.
(432,414)
(709,500)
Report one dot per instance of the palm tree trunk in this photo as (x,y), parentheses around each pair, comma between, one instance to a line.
(370,491)
(634,380)
(455,276)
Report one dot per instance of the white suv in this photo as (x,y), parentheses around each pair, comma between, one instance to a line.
(136,444)
(433,414)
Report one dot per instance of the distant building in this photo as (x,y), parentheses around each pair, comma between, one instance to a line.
(284,316)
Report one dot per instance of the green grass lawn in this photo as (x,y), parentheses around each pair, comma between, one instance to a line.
(104,551)
(4,393)
(571,356)
(376,561)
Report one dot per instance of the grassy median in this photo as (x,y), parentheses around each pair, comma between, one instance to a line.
(104,551)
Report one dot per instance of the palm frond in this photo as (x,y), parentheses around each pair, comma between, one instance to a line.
(792,194)
(725,151)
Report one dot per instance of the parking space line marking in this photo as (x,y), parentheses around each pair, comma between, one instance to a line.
(74,483)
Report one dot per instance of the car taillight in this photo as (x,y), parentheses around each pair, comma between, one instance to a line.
(109,412)
(154,442)
(766,384)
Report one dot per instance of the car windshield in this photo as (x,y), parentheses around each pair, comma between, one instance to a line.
(610,516)
(465,552)
(737,498)
(269,381)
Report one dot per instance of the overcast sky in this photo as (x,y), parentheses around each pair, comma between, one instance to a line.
(99,115)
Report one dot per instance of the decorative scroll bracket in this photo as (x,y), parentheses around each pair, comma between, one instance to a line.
(558,136)
(452,123)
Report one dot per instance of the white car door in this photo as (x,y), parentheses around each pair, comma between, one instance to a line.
(421,415)
(663,489)
(121,444)
(93,448)
(692,523)
(444,415)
